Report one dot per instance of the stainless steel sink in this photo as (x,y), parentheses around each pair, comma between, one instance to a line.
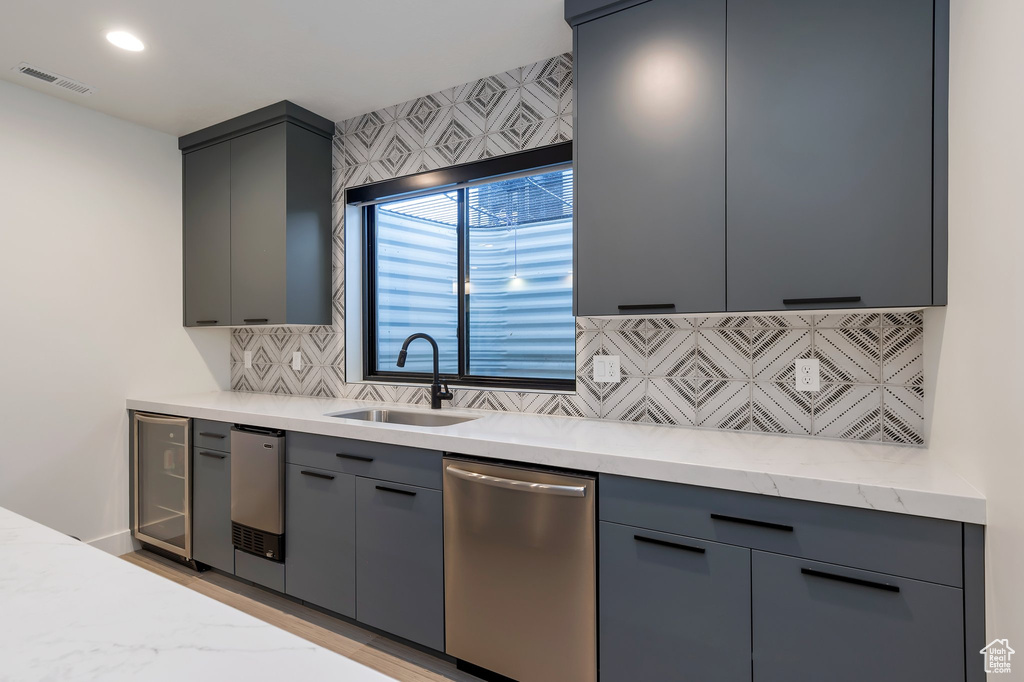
(403,417)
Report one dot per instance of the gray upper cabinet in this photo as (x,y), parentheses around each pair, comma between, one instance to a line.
(258,219)
(829,153)
(649,159)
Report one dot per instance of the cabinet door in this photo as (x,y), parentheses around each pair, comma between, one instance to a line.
(400,573)
(829,153)
(258,227)
(211,509)
(320,539)
(650,159)
(207,236)
(815,621)
(672,607)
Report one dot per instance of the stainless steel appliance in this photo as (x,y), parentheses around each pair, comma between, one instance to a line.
(519,571)
(162,482)
(257,491)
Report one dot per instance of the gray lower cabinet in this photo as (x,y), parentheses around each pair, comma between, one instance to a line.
(211,509)
(649,159)
(672,607)
(815,621)
(320,537)
(400,560)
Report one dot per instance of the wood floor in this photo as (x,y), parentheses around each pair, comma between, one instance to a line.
(380,653)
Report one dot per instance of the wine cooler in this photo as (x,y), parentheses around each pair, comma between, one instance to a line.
(162,485)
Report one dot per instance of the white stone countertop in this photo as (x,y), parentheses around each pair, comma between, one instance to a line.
(69,611)
(891,478)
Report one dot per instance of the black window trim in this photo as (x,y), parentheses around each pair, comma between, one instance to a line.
(439,180)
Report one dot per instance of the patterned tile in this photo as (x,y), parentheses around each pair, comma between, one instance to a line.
(502,111)
(588,393)
(322,348)
(553,75)
(671,353)
(723,404)
(333,378)
(630,346)
(774,352)
(848,411)
(851,354)
(726,322)
(781,321)
(565,127)
(341,155)
(541,100)
(912,319)
(381,393)
(847,320)
(412,395)
(317,385)
(499,401)
(626,401)
(280,346)
(780,408)
(420,106)
(724,354)
(672,400)
(582,404)
(589,324)
(541,403)
(903,415)
(439,122)
(903,355)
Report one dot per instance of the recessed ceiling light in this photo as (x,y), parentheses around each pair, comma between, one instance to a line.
(125,41)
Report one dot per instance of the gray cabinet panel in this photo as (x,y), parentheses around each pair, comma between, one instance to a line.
(211,435)
(810,627)
(207,236)
(414,466)
(829,152)
(650,158)
(400,560)
(320,532)
(676,608)
(309,228)
(259,570)
(211,509)
(258,226)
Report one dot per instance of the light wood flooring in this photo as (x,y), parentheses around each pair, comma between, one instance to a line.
(374,651)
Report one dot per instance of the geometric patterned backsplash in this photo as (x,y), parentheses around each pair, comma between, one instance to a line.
(734,373)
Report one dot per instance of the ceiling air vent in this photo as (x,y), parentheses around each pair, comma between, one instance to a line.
(54,79)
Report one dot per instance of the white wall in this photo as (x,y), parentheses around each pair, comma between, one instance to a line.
(90,306)
(973,346)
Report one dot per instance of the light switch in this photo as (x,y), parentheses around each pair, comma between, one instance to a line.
(247,357)
(606,369)
(297,360)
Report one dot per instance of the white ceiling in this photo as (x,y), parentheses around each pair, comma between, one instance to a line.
(208,60)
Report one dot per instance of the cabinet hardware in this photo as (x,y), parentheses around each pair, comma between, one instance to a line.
(255,320)
(649,306)
(395,490)
(316,475)
(666,543)
(206,321)
(853,581)
(753,522)
(215,455)
(206,434)
(824,299)
(358,458)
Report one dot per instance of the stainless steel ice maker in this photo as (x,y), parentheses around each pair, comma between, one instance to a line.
(257,491)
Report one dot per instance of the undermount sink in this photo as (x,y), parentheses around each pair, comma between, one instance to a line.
(403,417)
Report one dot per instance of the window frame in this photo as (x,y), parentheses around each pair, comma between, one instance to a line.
(454,178)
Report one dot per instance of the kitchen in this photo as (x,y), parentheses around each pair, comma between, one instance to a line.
(631,340)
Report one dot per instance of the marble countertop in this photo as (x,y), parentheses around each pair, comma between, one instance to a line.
(69,611)
(890,478)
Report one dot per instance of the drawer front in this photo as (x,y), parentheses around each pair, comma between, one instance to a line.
(400,560)
(210,435)
(320,538)
(414,466)
(815,621)
(211,509)
(910,546)
(260,571)
(672,607)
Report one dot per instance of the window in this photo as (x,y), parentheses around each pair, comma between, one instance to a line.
(483,266)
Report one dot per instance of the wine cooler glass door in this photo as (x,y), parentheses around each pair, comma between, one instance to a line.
(162,492)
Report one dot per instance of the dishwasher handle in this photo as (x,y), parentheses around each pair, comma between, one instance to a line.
(511,484)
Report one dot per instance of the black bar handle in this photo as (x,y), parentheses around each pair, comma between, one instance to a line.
(753,522)
(206,321)
(395,490)
(314,474)
(666,543)
(358,458)
(216,455)
(649,306)
(824,299)
(206,434)
(853,581)
(254,320)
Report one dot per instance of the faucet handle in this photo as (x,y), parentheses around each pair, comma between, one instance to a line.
(446,394)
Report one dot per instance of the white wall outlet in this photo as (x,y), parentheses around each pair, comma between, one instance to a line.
(297,360)
(808,375)
(247,358)
(606,369)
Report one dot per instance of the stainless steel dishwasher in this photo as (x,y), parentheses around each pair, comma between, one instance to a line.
(519,571)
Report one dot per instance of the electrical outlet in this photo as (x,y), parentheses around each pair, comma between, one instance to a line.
(247,358)
(808,375)
(606,369)
(297,360)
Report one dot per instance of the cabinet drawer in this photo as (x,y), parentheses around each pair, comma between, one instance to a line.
(814,621)
(259,570)
(910,546)
(414,466)
(210,435)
